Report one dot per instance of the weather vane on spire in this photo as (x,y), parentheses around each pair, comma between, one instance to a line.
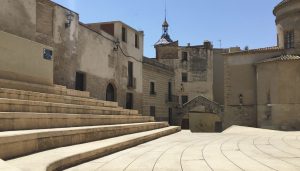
(165,24)
(165,38)
(165,10)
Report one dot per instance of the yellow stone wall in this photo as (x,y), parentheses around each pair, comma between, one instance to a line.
(203,122)
(22,60)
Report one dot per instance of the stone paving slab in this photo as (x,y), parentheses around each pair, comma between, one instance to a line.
(238,148)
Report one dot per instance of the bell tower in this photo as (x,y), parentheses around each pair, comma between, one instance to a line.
(288,25)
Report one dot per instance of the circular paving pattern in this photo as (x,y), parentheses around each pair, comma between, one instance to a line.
(238,148)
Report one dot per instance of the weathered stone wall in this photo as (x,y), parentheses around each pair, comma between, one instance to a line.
(18,17)
(65,47)
(105,65)
(278,95)
(169,51)
(78,48)
(218,75)
(240,79)
(199,68)
(203,122)
(23,60)
(161,77)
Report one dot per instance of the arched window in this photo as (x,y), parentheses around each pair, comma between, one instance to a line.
(110,93)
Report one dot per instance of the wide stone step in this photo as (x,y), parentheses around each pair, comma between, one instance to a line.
(55,89)
(16,105)
(62,158)
(22,120)
(37,96)
(19,143)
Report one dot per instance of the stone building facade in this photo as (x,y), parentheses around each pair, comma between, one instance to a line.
(45,43)
(193,76)
(158,98)
(261,85)
(107,64)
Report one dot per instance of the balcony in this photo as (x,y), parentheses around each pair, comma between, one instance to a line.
(131,83)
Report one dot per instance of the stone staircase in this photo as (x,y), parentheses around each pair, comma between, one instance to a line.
(54,128)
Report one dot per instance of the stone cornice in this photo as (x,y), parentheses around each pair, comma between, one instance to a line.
(291,13)
(283,4)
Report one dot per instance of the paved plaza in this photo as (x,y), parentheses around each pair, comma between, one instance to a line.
(237,148)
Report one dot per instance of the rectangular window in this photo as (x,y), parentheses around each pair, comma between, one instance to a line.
(152,111)
(130,74)
(137,41)
(124,34)
(289,39)
(184,99)
(184,56)
(80,81)
(184,77)
(129,101)
(152,88)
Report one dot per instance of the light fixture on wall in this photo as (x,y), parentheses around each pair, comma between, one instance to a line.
(116,45)
(69,19)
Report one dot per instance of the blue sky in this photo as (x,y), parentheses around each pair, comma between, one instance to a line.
(235,22)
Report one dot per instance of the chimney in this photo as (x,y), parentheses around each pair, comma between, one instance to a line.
(207,44)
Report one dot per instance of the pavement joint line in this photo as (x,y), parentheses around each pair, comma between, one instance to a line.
(290,145)
(270,154)
(153,168)
(281,138)
(293,155)
(274,157)
(251,158)
(202,151)
(185,150)
(231,150)
(162,144)
(120,156)
(238,151)
(230,138)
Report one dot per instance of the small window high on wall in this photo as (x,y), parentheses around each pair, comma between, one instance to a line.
(124,34)
(184,56)
(137,41)
(184,77)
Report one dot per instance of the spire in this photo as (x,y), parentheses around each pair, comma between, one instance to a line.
(165,23)
(165,38)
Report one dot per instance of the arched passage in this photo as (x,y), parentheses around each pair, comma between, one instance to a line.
(110,93)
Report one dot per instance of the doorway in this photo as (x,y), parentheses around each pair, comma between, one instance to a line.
(170,116)
(80,81)
(185,124)
(218,127)
(129,101)
(110,93)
